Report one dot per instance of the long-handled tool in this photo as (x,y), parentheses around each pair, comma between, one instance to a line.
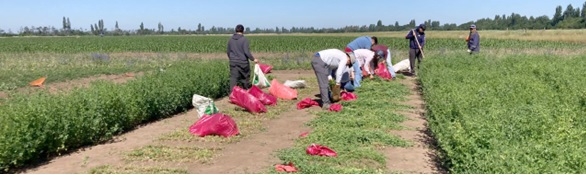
(418,45)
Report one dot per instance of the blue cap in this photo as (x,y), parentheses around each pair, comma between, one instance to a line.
(472,26)
(380,53)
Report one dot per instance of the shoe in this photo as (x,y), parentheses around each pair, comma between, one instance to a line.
(326,106)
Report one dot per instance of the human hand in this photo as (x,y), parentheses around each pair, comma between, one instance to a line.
(255,60)
(371,76)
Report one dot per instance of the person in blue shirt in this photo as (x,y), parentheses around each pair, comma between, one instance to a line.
(473,40)
(416,39)
(362,42)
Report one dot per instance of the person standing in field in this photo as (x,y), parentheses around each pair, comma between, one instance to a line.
(362,42)
(323,63)
(383,52)
(473,40)
(239,54)
(416,39)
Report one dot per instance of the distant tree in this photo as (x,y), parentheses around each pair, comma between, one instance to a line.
(199,28)
(64,23)
(160,28)
(141,29)
(557,17)
(92,29)
(68,24)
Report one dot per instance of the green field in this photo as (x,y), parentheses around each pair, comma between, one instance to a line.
(517,107)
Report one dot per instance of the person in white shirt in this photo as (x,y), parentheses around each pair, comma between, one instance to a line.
(365,57)
(323,63)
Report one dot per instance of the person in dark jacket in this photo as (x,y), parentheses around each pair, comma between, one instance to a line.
(416,39)
(239,54)
(473,40)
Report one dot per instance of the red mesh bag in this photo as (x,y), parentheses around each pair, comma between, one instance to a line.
(349,96)
(319,150)
(215,124)
(336,107)
(265,68)
(306,103)
(264,98)
(242,98)
(382,71)
(281,91)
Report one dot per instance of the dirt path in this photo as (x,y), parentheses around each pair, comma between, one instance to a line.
(421,157)
(166,146)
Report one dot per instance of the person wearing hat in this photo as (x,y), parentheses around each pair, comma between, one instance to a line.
(473,40)
(362,42)
(383,52)
(323,63)
(416,39)
(238,51)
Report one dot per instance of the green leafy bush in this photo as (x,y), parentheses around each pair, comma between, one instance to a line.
(42,124)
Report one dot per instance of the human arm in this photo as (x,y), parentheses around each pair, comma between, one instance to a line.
(409,35)
(247,53)
(475,41)
(340,71)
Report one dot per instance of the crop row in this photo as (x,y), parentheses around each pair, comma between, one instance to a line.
(42,124)
(516,114)
(214,44)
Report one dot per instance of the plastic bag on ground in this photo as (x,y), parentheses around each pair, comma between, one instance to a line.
(349,96)
(295,84)
(264,98)
(304,134)
(289,167)
(335,107)
(306,103)
(281,91)
(402,65)
(319,150)
(242,98)
(259,79)
(382,71)
(204,105)
(216,124)
(265,68)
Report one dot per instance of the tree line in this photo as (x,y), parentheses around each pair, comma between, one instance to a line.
(570,18)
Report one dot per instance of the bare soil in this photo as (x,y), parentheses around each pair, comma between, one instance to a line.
(421,157)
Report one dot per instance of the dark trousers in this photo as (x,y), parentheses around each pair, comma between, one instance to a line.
(240,73)
(321,72)
(413,54)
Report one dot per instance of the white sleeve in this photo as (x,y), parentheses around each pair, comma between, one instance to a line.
(367,65)
(341,67)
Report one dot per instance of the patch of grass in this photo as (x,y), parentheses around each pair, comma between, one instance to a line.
(356,133)
(107,169)
(174,154)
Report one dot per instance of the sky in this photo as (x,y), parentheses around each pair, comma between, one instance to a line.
(186,14)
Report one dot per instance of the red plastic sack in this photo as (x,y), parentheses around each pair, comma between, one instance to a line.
(286,167)
(382,71)
(242,98)
(281,91)
(215,124)
(265,68)
(264,98)
(336,107)
(348,96)
(319,150)
(306,103)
